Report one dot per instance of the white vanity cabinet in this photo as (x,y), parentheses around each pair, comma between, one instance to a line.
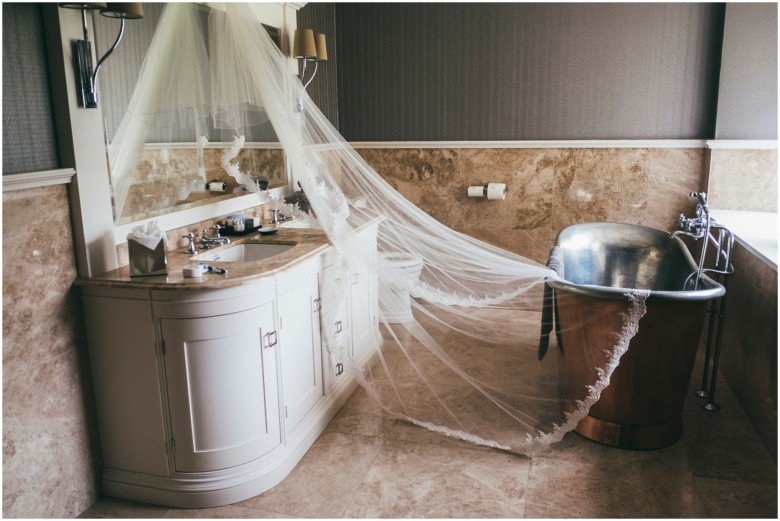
(209,395)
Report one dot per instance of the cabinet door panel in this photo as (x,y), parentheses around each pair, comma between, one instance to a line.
(300,350)
(222,390)
(335,323)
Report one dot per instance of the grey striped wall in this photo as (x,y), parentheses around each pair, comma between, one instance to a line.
(29,139)
(528,71)
(747,96)
(324,89)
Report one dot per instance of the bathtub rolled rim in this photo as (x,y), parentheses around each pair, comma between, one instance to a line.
(714,291)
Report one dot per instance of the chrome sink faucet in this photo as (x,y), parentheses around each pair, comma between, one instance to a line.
(206,241)
(277,217)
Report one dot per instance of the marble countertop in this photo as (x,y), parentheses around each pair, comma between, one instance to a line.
(307,242)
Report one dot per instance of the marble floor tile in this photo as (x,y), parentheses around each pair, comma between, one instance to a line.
(707,433)
(610,487)
(310,490)
(432,480)
(111,508)
(361,415)
(729,499)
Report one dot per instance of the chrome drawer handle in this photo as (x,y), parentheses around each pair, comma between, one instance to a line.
(270,339)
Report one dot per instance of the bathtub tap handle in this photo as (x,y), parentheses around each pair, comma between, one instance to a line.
(695,227)
(702,197)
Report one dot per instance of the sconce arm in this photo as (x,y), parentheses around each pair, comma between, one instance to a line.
(108,53)
(313,74)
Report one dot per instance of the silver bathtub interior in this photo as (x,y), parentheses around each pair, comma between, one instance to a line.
(609,259)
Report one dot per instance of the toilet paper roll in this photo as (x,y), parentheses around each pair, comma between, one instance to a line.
(215,186)
(476,191)
(496,191)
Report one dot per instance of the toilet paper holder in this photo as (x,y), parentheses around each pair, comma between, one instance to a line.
(493,191)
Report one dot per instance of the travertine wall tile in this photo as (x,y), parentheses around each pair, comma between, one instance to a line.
(548,189)
(672,174)
(429,178)
(749,345)
(50,447)
(174,240)
(743,180)
(600,185)
(522,221)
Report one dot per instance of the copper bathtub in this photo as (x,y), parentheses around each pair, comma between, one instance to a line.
(642,406)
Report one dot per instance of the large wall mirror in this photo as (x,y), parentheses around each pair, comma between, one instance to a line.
(171,174)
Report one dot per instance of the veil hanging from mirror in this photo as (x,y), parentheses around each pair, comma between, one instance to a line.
(466,361)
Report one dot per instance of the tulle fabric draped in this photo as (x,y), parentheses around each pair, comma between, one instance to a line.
(467,365)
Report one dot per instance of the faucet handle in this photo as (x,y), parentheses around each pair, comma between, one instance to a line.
(191,244)
(217,227)
(702,197)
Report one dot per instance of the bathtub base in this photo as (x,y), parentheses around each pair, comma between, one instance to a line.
(639,437)
(642,406)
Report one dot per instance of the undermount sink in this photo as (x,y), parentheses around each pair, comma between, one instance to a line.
(247,252)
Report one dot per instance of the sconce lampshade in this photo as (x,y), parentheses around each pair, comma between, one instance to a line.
(322,49)
(84,5)
(130,11)
(303,46)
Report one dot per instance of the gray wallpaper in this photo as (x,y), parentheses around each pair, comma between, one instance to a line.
(29,138)
(321,17)
(528,71)
(747,100)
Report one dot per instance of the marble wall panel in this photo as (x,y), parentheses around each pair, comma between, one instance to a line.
(601,184)
(743,180)
(548,189)
(174,239)
(749,345)
(429,178)
(522,221)
(672,174)
(50,442)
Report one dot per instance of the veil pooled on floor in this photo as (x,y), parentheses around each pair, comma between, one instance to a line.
(467,364)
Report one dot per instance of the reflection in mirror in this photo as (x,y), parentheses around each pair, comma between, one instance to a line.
(171,173)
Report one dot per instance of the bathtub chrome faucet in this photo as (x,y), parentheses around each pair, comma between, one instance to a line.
(695,227)
(702,226)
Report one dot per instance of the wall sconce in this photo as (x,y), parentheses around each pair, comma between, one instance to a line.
(307,48)
(87,77)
